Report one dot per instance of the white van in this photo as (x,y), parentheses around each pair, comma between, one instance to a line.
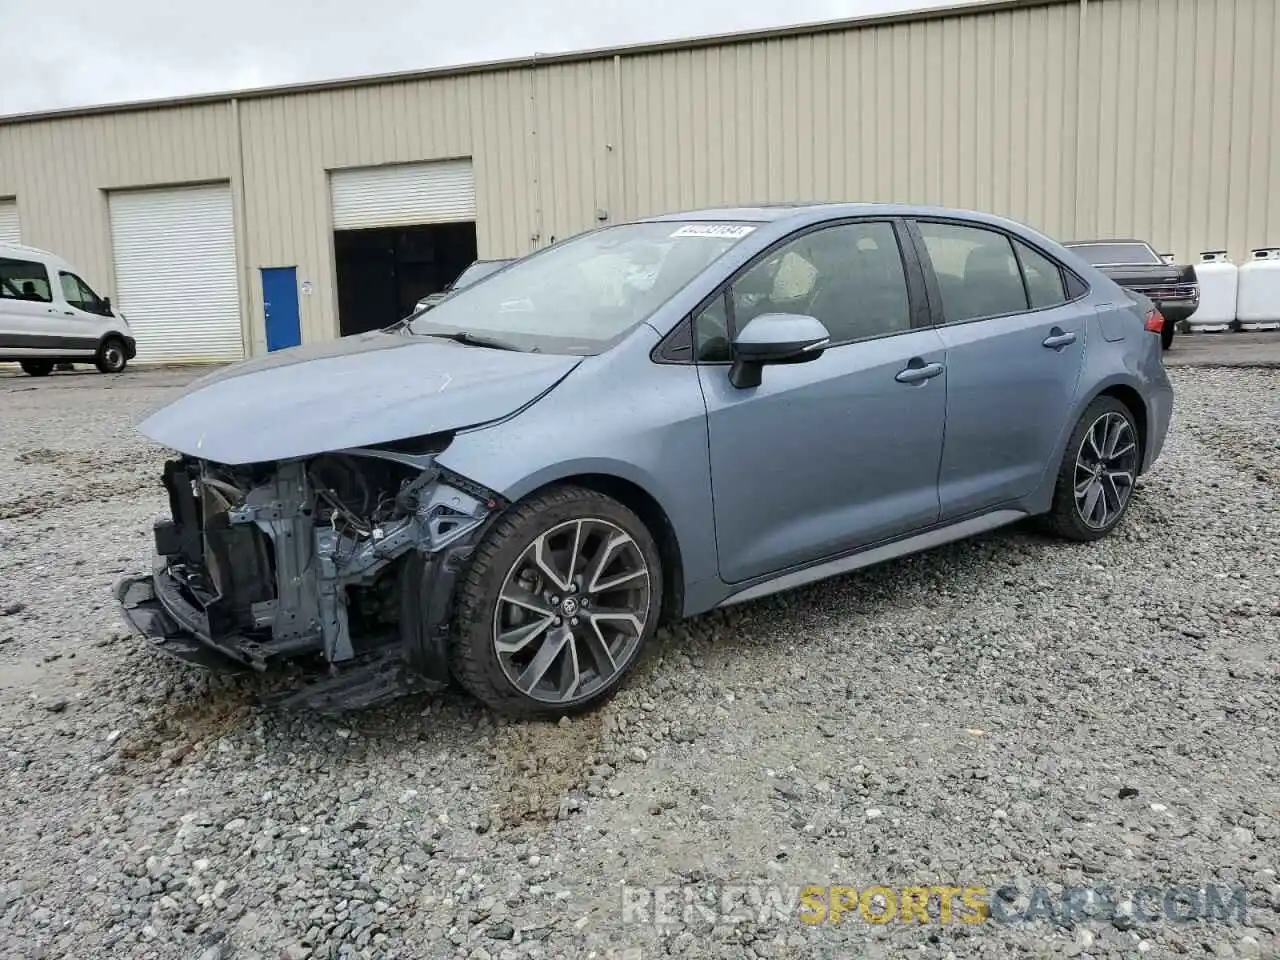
(49,316)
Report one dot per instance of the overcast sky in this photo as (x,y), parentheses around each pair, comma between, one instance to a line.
(63,53)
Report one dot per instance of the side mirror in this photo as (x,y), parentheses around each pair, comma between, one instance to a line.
(106,304)
(775,338)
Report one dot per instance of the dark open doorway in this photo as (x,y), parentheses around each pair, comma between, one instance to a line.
(382,273)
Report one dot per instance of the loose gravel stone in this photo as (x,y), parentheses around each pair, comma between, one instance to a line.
(1007,712)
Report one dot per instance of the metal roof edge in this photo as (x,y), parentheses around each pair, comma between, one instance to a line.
(961,8)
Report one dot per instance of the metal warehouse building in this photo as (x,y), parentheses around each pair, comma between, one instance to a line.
(346,201)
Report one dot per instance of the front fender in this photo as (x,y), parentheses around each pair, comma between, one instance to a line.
(594,424)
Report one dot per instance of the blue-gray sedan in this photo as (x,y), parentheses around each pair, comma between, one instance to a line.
(642,423)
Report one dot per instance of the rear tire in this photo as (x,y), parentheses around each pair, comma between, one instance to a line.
(1166,334)
(111,356)
(37,368)
(586,576)
(1098,472)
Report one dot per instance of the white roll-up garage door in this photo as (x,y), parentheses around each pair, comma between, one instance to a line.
(9,232)
(403,194)
(175,260)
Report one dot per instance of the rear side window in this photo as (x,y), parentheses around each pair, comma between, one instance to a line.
(977,272)
(24,280)
(1044,277)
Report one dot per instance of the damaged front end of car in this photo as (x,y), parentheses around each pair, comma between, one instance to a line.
(344,560)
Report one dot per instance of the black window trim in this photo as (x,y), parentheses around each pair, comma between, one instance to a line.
(918,300)
(935,292)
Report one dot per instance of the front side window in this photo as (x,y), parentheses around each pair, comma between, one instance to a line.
(850,277)
(24,280)
(77,293)
(976,270)
(583,294)
(1044,277)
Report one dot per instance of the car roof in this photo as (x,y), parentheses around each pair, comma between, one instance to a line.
(815,211)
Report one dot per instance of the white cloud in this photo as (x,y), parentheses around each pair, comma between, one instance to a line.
(60,53)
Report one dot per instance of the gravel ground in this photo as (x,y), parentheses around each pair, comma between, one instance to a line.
(1006,711)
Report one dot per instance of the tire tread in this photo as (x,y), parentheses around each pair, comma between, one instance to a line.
(472,605)
(1063,519)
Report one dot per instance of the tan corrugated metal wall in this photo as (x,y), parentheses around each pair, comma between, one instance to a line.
(1145,117)
(1186,155)
(60,172)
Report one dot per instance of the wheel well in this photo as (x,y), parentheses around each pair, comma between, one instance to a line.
(1133,400)
(638,500)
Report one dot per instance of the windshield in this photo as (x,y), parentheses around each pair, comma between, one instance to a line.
(583,294)
(478,271)
(1111,254)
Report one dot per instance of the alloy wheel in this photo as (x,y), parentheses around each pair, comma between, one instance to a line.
(1106,465)
(572,610)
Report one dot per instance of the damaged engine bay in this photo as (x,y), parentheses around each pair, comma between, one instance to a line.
(345,560)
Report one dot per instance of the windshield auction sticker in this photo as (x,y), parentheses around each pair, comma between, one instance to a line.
(728,231)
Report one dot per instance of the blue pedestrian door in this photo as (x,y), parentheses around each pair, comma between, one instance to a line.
(280,303)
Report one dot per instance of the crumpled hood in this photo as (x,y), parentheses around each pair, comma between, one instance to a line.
(351,392)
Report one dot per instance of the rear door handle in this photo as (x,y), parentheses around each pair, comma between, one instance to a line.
(920,373)
(1059,339)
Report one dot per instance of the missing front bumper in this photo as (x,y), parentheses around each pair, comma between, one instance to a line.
(248,574)
(148,616)
(374,680)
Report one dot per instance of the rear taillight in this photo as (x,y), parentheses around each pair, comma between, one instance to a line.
(1154,322)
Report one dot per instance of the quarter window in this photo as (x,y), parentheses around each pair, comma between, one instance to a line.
(977,272)
(24,280)
(1044,277)
(711,333)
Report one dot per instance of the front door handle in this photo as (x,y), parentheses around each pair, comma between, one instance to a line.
(1058,338)
(918,372)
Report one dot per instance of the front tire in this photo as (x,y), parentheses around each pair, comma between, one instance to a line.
(111,356)
(1099,469)
(559,600)
(37,368)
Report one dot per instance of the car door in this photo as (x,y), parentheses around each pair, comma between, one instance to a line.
(27,306)
(1014,351)
(839,452)
(84,311)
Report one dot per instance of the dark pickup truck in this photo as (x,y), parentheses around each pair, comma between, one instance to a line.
(1135,265)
